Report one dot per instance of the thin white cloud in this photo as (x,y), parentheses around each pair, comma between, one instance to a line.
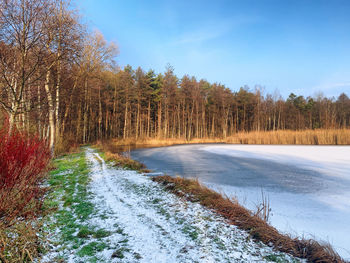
(332,86)
(199,36)
(212,30)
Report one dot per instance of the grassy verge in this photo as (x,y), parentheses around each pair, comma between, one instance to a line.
(193,191)
(71,200)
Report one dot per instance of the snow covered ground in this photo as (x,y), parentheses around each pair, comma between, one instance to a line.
(148,224)
(308,186)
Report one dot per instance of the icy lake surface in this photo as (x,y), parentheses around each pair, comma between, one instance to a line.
(308,186)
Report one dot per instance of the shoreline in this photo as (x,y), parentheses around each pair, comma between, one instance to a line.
(325,252)
(280,137)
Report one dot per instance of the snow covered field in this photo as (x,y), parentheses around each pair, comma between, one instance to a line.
(147,224)
(308,186)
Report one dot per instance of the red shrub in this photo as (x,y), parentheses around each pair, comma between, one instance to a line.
(23,164)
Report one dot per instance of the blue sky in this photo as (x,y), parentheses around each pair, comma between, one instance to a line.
(299,46)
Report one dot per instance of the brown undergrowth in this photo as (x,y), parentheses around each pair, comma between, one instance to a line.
(258,229)
(66,145)
(154,142)
(119,159)
(301,137)
(20,242)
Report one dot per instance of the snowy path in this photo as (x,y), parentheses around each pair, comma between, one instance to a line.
(148,224)
(162,228)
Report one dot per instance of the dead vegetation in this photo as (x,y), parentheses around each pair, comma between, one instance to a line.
(263,209)
(163,141)
(286,137)
(258,228)
(20,242)
(66,145)
(304,137)
(119,159)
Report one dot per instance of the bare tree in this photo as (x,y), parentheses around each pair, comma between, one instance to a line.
(22,53)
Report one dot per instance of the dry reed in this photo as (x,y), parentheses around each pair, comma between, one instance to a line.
(163,141)
(119,159)
(303,137)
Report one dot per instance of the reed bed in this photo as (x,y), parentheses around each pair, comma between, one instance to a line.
(290,137)
(164,141)
(303,137)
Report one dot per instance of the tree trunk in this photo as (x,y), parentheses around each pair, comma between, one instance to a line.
(12,120)
(58,97)
(159,119)
(58,62)
(138,119)
(85,111)
(39,113)
(68,107)
(51,113)
(99,114)
(114,116)
(14,108)
(148,117)
(126,120)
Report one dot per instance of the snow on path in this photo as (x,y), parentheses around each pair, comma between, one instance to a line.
(157,226)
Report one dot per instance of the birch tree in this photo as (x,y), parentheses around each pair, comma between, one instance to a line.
(22,53)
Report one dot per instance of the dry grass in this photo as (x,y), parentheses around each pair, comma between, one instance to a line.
(66,145)
(258,228)
(20,242)
(120,160)
(163,141)
(305,137)
(302,137)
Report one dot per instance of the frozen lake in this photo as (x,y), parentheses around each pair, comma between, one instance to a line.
(308,186)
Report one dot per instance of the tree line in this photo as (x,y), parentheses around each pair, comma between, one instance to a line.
(61,80)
